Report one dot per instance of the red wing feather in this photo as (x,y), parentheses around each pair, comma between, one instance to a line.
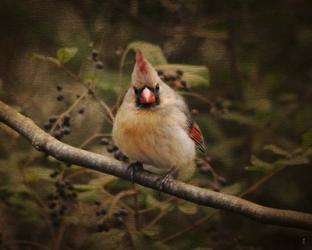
(196,135)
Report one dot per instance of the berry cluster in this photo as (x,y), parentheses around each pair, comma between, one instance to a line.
(116,221)
(219,106)
(113,149)
(174,79)
(60,199)
(95,59)
(61,129)
(59,126)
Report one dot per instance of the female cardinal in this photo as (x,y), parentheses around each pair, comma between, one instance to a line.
(153,124)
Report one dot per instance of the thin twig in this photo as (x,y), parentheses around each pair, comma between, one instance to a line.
(118,197)
(91,138)
(66,112)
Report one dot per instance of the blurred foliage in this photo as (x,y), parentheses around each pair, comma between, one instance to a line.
(246,75)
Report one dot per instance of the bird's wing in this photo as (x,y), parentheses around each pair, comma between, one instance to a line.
(192,128)
(196,135)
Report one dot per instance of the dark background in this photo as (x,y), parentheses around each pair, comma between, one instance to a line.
(259,58)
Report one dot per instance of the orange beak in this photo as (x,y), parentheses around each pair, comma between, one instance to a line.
(147,96)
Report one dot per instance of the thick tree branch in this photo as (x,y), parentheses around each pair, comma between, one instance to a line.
(61,151)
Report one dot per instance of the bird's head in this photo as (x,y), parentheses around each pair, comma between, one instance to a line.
(145,83)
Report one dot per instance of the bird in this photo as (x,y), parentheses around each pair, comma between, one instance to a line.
(153,125)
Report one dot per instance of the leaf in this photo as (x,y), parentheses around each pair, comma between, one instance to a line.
(37,173)
(46,58)
(259,165)
(239,118)
(152,202)
(307,138)
(64,55)
(276,150)
(102,181)
(152,52)
(233,189)
(83,187)
(151,230)
(297,160)
(188,207)
(91,196)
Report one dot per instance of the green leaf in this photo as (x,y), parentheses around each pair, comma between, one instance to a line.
(152,52)
(188,207)
(152,202)
(297,160)
(64,55)
(83,187)
(233,189)
(276,150)
(307,138)
(151,230)
(37,173)
(239,118)
(259,165)
(46,59)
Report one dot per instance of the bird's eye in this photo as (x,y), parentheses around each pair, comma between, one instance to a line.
(136,91)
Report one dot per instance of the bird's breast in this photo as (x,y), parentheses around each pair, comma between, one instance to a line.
(153,138)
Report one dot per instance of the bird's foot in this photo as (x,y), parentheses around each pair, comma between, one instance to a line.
(163,180)
(134,168)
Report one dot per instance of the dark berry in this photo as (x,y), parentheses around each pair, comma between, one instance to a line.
(53,119)
(66,121)
(111,148)
(160,72)
(59,88)
(123,212)
(52,205)
(58,134)
(120,213)
(97,203)
(55,173)
(104,141)
(102,227)
(47,126)
(169,78)
(179,72)
(81,110)
(101,212)
(60,98)
(73,195)
(50,196)
(59,184)
(94,55)
(99,65)
(119,220)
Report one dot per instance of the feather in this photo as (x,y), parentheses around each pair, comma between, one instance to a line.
(196,135)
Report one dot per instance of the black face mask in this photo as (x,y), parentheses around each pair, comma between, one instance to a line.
(138,96)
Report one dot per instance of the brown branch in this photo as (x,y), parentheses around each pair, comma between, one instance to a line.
(63,152)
